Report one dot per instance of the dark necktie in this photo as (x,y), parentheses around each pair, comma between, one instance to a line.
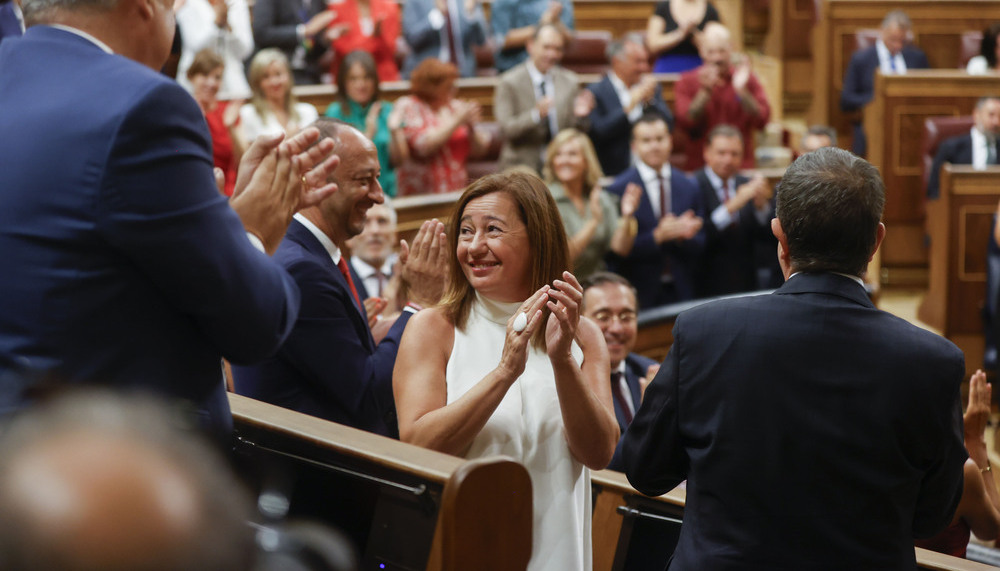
(381,281)
(452,52)
(725,191)
(545,120)
(664,194)
(991,152)
(342,266)
(619,392)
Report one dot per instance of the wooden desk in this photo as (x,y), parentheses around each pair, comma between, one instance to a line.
(959,225)
(894,123)
(623,517)
(430,509)
(478,89)
(937,28)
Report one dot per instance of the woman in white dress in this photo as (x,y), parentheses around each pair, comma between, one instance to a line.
(273,108)
(506,366)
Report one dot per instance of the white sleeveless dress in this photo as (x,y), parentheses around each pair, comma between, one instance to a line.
(528,427)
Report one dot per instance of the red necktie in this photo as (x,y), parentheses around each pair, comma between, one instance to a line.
(342,266)
(664,195)
(619,392)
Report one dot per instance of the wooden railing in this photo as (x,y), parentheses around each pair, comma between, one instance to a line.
(403,506)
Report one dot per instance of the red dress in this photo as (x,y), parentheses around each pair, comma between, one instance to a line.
(382,47)
(441,171)
(222,145)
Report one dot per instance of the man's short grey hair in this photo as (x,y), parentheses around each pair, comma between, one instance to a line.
(617,47)
(985,99)
(897,18)
(40,11)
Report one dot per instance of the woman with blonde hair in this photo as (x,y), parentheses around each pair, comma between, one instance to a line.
(506,366)
(590,215)
(273,108)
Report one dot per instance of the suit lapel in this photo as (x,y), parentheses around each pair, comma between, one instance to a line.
(302,236)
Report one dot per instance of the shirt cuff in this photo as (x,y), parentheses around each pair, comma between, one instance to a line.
(536,116)
(300,32)
(256,243)
(436,19)
(721,217)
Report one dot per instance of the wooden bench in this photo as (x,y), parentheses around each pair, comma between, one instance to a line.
(415,508)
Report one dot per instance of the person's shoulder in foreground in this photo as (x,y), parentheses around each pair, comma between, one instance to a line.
(808,413)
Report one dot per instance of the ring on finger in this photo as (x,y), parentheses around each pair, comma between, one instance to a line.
(520,322)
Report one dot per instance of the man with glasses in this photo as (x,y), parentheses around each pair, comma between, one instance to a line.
(609,300)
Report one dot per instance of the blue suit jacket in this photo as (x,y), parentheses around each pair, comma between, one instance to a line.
(730,262)
(814,431)
(122,263)
(330,366)
(956,150)
(635,368)
(859,84)
(425,41)
(610,128)
(644,264)
(10,25)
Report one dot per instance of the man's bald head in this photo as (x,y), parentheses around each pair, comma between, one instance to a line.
(102,483)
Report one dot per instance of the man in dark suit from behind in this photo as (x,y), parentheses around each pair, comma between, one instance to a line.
(330,366)
(620,99)
(891,54)
(978,147)
(610,301)
(738,212)
(814,430)
(662,264)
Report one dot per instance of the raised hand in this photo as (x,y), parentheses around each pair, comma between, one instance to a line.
(276,179)
(584,103)
(630,200)
(594,205)
(423,267)
(515,346)
(565,296)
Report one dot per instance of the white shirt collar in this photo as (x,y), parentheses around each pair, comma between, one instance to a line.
(328,244)
(883,59)
(857,279)
(85,36)
(649,175)
(536,76)
(366,270)
(979,152)
(716,181)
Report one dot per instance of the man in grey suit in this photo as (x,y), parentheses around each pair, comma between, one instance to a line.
(536,99)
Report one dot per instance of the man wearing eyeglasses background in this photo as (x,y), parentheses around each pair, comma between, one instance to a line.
(610,301)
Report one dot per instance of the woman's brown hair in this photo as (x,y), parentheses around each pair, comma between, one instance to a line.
(427,79)
(547,243)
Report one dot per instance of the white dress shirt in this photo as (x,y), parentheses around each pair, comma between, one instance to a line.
(884,60)
(652,183)
(550,91)
(979,148)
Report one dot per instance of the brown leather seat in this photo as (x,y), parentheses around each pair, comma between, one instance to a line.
(971,42)
(936,130)
(585,53)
